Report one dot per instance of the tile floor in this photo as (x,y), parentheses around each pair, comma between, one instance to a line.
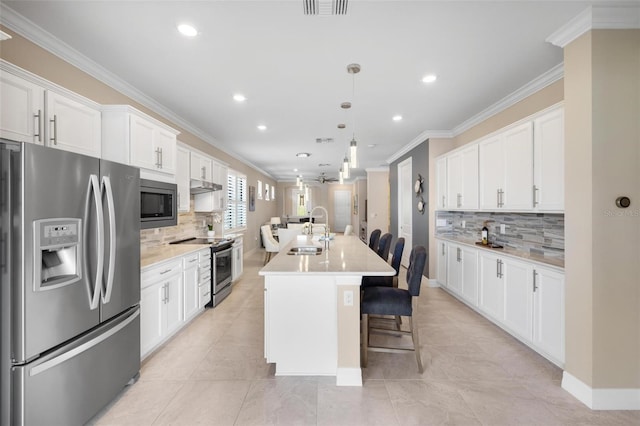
(213,373)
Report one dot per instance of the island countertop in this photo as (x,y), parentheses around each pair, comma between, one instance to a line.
(346,256)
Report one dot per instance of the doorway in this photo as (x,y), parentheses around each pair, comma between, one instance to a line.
(341,209)
(405,202)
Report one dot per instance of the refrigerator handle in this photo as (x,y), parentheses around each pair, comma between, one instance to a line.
(106,295)
(94,186)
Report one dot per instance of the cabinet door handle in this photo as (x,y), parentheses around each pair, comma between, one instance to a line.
(443,249)
(499,268)
(443,204)
(458,255)
(38,116)
(54,139)
(165,271)
(203,173)
(535,284)
(459,200)
(161,158)
(498,197)
(158,157)
(535,198)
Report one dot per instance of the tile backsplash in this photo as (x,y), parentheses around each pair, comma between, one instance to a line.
(189,225)
(537,233)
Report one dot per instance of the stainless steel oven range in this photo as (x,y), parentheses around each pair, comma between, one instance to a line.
(221,266)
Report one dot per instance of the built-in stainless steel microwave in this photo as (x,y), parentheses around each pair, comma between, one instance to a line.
(158,204)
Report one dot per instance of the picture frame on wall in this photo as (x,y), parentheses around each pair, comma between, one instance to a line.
(252,198)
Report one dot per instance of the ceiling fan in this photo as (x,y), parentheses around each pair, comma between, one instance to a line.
(324,178)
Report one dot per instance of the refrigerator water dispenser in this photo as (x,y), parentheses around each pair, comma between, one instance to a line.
(58,253)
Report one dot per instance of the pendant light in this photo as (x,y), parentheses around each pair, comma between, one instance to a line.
(353,69)
(341,177)
(345,168)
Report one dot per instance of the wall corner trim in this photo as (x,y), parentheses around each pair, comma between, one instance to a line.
(601,399)
(348,376)
(596,17)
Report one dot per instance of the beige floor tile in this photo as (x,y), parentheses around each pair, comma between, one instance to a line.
(205,403)
(172,363)
(366,405)
(505,403)
(282,401)
(140,404)
(429,402)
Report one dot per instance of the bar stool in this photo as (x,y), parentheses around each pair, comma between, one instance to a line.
(385,281)
(395,302)
(373,239)
(383,246)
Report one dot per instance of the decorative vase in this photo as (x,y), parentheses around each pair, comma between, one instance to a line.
(211,234)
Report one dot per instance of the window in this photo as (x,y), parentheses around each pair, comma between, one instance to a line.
(273,192)
(235,217)
(266,192)
(259,190)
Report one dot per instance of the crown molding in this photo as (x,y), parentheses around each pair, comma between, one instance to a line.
(377,169)
(554,74)
(417,141)
(621,16)
(27,29)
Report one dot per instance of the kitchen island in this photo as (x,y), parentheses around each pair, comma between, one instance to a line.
(312,308)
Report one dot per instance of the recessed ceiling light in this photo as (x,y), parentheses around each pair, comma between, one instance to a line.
(239,97)
(303,155)
(397,118)
(295,170)
(262,127)
(187,30)
(429,78)
(372,145)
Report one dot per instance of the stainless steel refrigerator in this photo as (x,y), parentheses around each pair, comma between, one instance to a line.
(70,284)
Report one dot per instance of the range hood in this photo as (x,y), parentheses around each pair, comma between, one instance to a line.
(201,186)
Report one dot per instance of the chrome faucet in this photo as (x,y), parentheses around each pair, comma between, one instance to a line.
(326,225)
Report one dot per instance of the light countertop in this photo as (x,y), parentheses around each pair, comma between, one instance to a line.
(346,256)
(151,256)
(507,251)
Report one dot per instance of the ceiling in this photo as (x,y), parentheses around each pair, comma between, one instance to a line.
(292,68)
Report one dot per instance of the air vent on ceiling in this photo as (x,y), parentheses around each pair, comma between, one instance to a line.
(324,165)
(324,140)
(325,7)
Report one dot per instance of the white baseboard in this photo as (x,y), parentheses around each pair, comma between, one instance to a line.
(601,399)
(348,376)
(432,282)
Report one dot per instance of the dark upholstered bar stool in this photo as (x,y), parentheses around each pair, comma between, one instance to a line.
(383,246)
(395,263)
(394,301)
(373,239)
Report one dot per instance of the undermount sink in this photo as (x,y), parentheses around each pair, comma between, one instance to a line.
(307,250)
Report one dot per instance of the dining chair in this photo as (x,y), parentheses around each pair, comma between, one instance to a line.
(373,239)
(348,230)
(384,245)
(387,281)
(270,244)
(396,302)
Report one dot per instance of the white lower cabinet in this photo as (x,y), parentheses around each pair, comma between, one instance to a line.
(549,313)
(462,274)
(524,298)
(204,277)
(191,298)
(237,262)
(491,286)
(160,304)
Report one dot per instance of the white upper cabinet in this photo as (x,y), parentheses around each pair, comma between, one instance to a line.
(21,109)
(458,179)
(73,126)
(548,161)
(132,137)
(31,112)
(506,169)
(217,200)
(469,178)
(454,181)
(182,179)
(201,167)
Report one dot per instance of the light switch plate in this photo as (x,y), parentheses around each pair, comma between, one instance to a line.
(348,298)
(503,228)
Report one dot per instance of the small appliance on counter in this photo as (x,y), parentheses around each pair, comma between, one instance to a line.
(221,265)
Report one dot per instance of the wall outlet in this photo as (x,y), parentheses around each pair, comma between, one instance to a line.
(503,228)
(464,224)
(348,298)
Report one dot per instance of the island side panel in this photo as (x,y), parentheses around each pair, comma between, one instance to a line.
(348,309)
(301,324)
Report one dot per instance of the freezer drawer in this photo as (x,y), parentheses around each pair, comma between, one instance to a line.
(74,382)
